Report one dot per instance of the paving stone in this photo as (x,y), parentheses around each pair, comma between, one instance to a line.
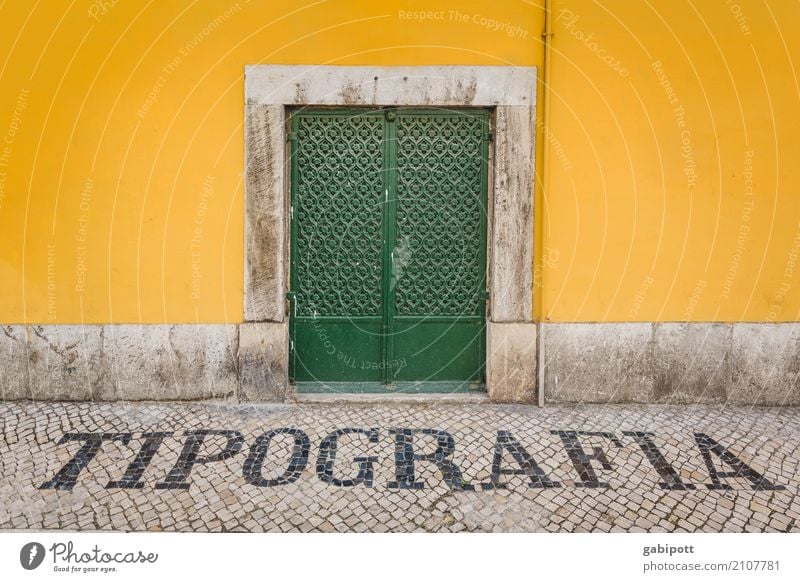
(440,473)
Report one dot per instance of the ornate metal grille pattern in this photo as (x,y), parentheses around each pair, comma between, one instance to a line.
(439,215)
(339,201)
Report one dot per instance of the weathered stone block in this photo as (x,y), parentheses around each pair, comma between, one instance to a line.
(673,363)
(765,364)
(512,220)
(265,220)
(14,349)
(168,362)
(263,362)
(442,85)
(511,362)
(598,362)
(690,363)
(118,362)
(63,361)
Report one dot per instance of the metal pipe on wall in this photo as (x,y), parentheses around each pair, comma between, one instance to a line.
(546,36)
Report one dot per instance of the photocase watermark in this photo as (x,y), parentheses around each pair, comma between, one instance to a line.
(82,235)
(788,276)
(51,282)
(744,226)
(475,18)
(640,295)
(697,292)
(9,137)
(556,146)
(741,19)
(183,52)
(507,28)
(679,113)
(206,192)
(100,8)
(667,549)
(550,258)
(569,20)
(66,558)
(421,15)
(31,555)
(349,360)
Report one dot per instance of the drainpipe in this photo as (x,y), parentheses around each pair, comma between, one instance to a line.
(548,48)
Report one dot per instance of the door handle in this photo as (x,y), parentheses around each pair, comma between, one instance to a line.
(291,297)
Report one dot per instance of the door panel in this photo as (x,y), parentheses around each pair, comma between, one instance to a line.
(388,247)
(337,245)
(439,267)
(437,351)
(338,351)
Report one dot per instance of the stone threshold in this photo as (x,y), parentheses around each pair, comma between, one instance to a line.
(425,398)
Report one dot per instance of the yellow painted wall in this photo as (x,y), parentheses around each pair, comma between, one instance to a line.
(121,155)
(675,180)
(121,188)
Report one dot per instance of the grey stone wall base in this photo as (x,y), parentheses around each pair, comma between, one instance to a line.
(263,362)
(511,362)
(247,362)
(764,363)
(673,363)
(118,362)
(668,363)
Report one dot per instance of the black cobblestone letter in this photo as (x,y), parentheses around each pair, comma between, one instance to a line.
(404,458)
(669,476)
(740,468)
(258,452)
(581,461)
(505,441)
(134,472)
(66,478)
(327,458)
(179,475)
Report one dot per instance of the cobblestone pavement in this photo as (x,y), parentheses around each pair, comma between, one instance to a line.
(375,467)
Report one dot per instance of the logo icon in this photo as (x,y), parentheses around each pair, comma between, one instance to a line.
(31,555)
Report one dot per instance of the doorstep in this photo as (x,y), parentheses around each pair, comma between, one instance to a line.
(399,388)
(387,397)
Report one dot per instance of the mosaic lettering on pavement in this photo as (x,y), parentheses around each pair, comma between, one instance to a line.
(392,467)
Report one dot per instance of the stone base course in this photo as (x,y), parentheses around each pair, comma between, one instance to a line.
(675,363)
(660,363)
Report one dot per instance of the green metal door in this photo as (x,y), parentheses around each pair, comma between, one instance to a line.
(388,247)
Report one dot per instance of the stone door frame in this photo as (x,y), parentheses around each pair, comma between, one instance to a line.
(271,90)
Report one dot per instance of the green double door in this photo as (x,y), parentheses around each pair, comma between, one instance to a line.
(388,249)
